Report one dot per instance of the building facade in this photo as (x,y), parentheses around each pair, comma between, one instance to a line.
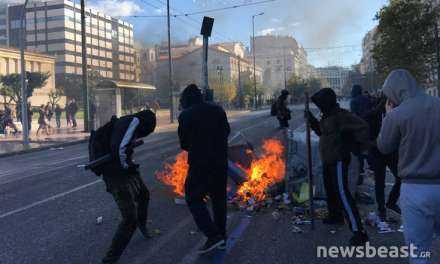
(225,67)
(54,27)
(10,63)
(367,61)
(280,57)
(334,76)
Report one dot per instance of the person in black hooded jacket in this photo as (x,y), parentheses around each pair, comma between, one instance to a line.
(203,132)
(340,133)
(124,182)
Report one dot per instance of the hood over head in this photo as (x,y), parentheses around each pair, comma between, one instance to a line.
(147,121)
(399,86)
(190,96)
(356,90)
(325,100)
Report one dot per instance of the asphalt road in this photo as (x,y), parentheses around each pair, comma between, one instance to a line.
(49,206)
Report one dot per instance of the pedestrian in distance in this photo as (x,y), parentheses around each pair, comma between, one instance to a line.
(283,113)
(58,112)
(340,134)
(122,177)
(73,109)
(412,127)
(203,132)
(42,125)
(30,114)
(68,114)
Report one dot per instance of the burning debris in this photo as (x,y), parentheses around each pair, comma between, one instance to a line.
(252,175)
(174,174)
(264,172)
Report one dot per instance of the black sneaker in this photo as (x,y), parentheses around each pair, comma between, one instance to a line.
(359,239)
(222,246)
(211,244)
(333,221)
(395,208)
(145,232)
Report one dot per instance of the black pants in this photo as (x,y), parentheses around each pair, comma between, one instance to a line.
(203,181)
(339,198)
(132,200)
(379,164)
(284,122)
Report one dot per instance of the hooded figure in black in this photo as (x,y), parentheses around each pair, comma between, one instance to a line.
(340,133)
(123,180)
(283,113)
(203,132)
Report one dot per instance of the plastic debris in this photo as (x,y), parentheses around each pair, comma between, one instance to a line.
(296,229)
(332,232)
(400,229)
(99,220)
(156,232)
(192,232)
(276,215)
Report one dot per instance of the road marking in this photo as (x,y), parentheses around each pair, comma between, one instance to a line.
(51,198)
(219,257)
(164,240)
(48,199)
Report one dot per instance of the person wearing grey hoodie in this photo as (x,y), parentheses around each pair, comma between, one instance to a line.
(412,126)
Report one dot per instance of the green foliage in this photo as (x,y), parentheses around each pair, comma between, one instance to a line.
(11,85)
(55,97)
(71,85)
(297,86)
(405,38)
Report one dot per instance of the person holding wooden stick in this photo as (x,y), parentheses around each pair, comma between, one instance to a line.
(340,133)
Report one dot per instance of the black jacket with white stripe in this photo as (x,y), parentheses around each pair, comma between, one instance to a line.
(125,132)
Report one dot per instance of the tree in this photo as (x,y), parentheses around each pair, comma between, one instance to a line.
(71,85)
(297,86)
(405,38)
(12,85)
(55,97)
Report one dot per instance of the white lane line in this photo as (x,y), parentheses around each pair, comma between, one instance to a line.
(77,188)
(21,209)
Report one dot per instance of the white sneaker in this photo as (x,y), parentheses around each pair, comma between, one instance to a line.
(383,228)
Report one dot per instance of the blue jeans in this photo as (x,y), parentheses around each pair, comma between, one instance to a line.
(421,216)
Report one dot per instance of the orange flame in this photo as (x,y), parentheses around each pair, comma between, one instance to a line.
(264,172)
(174,174)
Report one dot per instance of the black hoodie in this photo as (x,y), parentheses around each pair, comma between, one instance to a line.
(203,129)
(127,130)
(340,132)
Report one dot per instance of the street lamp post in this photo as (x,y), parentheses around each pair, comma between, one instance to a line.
(24,112)
(170,64)
(253,54)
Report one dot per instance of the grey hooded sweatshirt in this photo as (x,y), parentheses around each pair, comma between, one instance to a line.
(413,127)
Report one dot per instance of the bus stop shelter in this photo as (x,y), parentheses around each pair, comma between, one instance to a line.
(108,98)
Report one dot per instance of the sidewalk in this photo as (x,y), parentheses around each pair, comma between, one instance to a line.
(12,144)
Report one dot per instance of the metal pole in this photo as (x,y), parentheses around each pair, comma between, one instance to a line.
(309,164)
(253,54)
(205,64)
(437,49)
(24,111)
(85,87)
(170,65)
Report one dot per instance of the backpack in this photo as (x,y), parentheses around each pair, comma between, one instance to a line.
(99,144)
(274,109)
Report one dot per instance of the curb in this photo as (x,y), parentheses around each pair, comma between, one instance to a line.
(63,144)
